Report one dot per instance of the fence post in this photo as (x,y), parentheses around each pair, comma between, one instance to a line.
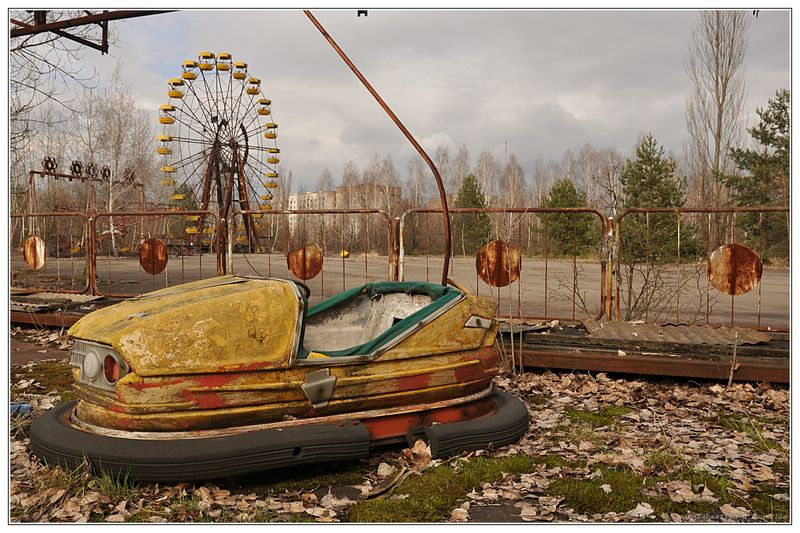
(612,260)
(228,224)
(396,249)
(91,249)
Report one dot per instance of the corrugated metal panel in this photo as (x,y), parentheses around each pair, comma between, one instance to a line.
(47,301)
(675,334)
(60,297)
(28,307)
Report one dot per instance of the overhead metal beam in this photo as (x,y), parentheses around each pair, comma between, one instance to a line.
(102,47)
(81,21)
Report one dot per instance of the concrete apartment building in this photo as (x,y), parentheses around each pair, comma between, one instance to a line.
(366,195)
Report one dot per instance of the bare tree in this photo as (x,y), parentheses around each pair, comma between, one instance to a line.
(120,137)
(443,162)
(460,168)
(418,174)
(325,182)
(487,171)
(715,65)
(43,68)
(599,171)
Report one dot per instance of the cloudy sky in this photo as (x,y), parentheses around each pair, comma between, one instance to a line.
(542,81)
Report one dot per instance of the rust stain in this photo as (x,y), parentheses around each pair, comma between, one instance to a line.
(214,380)
(305,263)
(734,269)
(209,400)
(419,381)
(33,252)
(498,263)
(153,256)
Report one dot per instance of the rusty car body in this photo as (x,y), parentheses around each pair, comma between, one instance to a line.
(233,374)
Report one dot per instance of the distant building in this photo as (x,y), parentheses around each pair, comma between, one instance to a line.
(312,200)
(366,195)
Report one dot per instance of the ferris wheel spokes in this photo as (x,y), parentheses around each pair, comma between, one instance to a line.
(220,143)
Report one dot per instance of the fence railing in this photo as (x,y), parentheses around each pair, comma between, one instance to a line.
(663,265)
(330,250)
(649,264)
(562,265)
(141,251)
(50,252)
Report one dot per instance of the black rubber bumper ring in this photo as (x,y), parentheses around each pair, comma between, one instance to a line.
(57,442)
(506,425)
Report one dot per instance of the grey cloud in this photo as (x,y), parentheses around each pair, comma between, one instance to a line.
(545,81)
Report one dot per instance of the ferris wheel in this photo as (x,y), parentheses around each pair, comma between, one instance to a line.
(218,144)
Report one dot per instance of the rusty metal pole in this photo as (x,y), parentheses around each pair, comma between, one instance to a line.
(442,194)
(609,269)
(396,250)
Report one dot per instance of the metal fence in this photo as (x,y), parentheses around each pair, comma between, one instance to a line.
(49,252)
(664,266)
(568,264)
(139,251)
(559,256)
(330,250)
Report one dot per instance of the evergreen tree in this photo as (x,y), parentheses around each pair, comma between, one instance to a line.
(471,230)
(649,180)
(766,178)
(568,233)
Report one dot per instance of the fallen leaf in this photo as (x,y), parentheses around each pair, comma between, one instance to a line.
(528,513)
(385,470)
(734,512)
(330,501)
(642,510)
(459,515)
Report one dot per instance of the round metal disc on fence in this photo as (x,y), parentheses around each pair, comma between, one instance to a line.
(33,252)
(498,263)
(153,256)
(305,263)
(734,269)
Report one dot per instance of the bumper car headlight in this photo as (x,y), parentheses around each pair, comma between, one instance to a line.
(99,364)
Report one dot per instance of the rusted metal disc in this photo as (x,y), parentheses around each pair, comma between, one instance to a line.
(153,256)
(306,262)
(734,269)
(498,263)
(33,252)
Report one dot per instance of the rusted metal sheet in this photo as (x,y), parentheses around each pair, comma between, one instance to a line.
(59,320)
(674,334)
(60,297)
(498,263)
(734,269)
(32,307)
(153,256)
(305,263)
(749,368)
(34,252)
(46,301)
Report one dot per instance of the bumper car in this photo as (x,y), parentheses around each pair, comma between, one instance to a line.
(233,375)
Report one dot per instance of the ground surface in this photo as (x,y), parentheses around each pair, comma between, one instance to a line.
(600,449)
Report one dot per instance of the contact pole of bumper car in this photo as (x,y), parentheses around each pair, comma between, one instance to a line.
(422,153)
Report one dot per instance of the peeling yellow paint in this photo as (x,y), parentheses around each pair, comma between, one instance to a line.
(159,334)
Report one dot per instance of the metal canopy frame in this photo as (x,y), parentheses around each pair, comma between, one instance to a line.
(40,25)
